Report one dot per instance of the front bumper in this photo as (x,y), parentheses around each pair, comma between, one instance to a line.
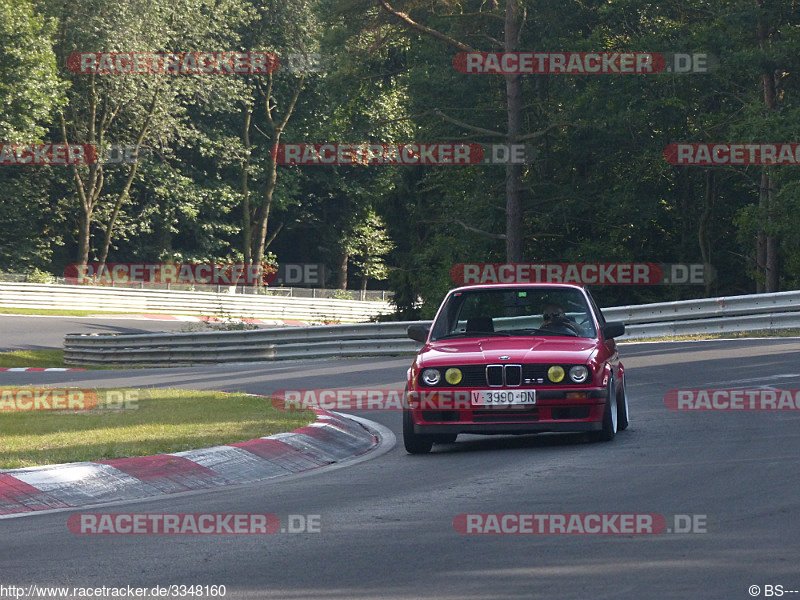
(553,412)
(508,428)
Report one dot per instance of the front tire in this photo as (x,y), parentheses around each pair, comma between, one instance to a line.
(610,417)
(415,443)
(622,407)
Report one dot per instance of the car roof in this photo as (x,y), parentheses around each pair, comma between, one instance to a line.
(516,286)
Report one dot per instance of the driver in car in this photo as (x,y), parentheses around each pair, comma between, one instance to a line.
(554,318)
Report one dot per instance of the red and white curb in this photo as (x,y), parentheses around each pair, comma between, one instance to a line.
(331,439)
(17,369)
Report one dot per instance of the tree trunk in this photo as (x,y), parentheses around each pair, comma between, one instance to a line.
(686,209)
(84,225)
(129,180)
(247,232)
(276,127)
(262,216)
(770,242)
(767,244)
(515,227)
(341,270)
(514,220)
(761,259)
(702,228)
(88,192)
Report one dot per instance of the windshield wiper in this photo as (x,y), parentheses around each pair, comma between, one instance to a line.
(526,331)
(472,334)
(535,331)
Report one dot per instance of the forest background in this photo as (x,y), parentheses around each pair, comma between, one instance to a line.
(597,187)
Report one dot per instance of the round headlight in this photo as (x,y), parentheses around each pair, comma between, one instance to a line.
(453,376)
(555,374)
(431,377)
(579,374)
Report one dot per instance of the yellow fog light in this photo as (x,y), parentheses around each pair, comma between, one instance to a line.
(555,374)
(453,376)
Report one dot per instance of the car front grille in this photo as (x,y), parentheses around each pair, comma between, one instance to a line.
(503,375)
(473,376)
(494,375)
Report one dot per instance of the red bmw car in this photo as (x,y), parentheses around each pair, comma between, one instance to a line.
(513,359)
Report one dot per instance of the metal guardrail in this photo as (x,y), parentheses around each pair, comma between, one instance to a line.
(726,314)
(70,297)
(714,326)
(272,290)
(708,315)
(175,349)
(706,308)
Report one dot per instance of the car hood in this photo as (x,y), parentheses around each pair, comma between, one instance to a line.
(517,349)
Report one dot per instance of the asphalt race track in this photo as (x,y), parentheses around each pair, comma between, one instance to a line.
(18,332)
(387,522)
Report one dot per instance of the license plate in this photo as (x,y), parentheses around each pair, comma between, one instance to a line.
(503,397)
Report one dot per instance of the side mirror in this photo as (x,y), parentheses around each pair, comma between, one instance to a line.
(418,333)
(613,329)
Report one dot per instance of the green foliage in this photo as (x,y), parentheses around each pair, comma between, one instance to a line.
(342,295)
(29,87)
(598,190)
(38,276)
(367,246)
(31,225)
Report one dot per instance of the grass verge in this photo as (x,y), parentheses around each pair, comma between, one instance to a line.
(45,359)
(33,358)
(154,421)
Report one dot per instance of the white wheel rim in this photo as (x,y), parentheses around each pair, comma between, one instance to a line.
(625,396)
(613,406)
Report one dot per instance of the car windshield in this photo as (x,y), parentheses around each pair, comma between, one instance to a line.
(515,312)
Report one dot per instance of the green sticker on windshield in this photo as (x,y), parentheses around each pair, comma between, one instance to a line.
(523,294)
